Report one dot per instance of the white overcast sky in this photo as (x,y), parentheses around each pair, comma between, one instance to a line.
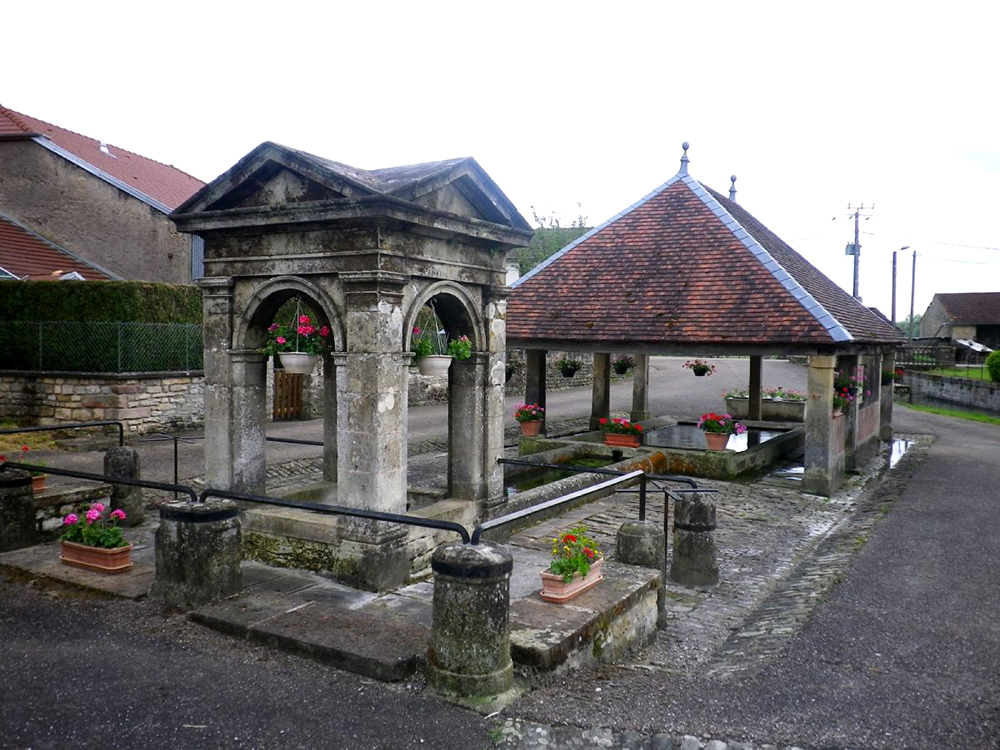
(812,105)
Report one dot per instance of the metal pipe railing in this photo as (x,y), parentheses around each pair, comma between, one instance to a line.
(102,478)
(70,426)
(338,510)
(525,512)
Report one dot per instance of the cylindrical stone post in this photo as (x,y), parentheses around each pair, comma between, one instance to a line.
(197,553)
(17,510)
(469,653)
(640,543)
(123,461)
(693,562)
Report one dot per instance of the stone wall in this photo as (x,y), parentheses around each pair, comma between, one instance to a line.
(980,394)
(90,217)
(144,402)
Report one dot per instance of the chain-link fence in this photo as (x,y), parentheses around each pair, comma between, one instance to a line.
(100,346)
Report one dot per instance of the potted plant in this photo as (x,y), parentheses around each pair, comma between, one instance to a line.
(623,364)
(460,348)
(620,432)
(575,567)
(96,543)
(530,417)
(38,478)
(889,378)
(784,405)
(699,367)
(718,428)
(845,389)
(297,344)
(569,367)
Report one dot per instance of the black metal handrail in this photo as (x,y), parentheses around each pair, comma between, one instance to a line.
(102,478)
(524,513)
(595,470)
(338,510)
(70,426)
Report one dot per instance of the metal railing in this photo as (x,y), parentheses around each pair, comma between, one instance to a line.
(109,478)
(70,426)
(338,510)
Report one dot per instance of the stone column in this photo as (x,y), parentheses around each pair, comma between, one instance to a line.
(467,428)
(600,403)
(123,461)
(469,655)
(372,410)
(248,420)
(694,561)
(197,553)
(495,323)
(640,388)
(534,379)
(756,378)
(824,459)
(217,311)
(886,395)
(848,365)
(17,510)
(331,364)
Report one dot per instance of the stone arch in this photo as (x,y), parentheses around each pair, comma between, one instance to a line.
(259,310)
(458,309)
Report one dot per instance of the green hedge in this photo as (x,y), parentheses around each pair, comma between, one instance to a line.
(132,301)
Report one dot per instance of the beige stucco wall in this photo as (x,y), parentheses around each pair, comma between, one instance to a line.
(90,217)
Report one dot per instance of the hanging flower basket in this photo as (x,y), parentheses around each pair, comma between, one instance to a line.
(298,363)
(434,364)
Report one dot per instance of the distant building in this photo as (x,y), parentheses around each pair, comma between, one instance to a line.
(88,207)
(971,316)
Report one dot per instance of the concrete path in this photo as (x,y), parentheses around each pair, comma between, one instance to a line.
(903,652)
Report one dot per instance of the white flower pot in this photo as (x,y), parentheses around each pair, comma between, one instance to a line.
(298,363)
(434,364)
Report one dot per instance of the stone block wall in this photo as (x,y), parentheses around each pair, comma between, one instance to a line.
(145,402)
(980,394)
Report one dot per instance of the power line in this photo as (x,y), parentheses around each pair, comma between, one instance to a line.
(974,247)
(955,260)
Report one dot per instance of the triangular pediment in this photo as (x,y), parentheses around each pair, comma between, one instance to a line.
(272,175)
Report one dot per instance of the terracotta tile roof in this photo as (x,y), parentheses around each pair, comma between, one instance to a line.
(684,265)
(971,308)
(25,254)
(162,183)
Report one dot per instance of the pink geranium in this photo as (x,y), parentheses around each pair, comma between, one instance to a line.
(118,514)
(304,319)
(71,519)
(93,515)
(281,339)
(99,507)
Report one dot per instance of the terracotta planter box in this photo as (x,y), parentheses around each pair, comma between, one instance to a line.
(621,440)
(555,589)
(96,558)
(38,482)
(716,441)
(531,428)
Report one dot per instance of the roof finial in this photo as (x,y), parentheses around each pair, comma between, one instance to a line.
(684,159)
(732,188)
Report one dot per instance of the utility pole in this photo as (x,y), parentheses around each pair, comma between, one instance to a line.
(907,247)
(913,289)
(855,249)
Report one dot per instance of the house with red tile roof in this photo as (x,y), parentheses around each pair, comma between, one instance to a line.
(85,199)
(970,316)
(688,271)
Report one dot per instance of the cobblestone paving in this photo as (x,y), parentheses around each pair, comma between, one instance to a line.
(779,553)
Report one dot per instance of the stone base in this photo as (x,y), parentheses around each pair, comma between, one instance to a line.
(334,547)
(694,562)
(640,543)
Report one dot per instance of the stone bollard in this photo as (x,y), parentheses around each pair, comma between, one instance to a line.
(469,653)
(17,510)
(123,461)
(694,562)
(640,543)
(197,552)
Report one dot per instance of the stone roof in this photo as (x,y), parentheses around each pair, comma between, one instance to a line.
(685,265)
(163,186)
(971,308)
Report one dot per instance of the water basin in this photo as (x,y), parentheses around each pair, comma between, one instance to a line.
(690,436)
(537,477)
